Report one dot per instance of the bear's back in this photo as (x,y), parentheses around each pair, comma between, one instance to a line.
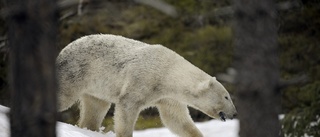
(100,55)
(100,62)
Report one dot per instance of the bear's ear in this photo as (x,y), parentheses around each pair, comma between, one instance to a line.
(211,82)
(207,84)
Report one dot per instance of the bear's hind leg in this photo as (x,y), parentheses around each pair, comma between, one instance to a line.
(92,112)
(175,116)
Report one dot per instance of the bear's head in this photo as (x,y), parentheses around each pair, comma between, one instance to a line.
(214,100)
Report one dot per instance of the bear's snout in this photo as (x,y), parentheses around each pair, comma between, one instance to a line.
(223,116)
(234,115)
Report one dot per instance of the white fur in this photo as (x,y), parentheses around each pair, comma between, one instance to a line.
(98,70)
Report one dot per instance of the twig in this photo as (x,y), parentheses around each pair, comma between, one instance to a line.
(62,4)
(161,6)
(67,15)
(299,80)
(80,6)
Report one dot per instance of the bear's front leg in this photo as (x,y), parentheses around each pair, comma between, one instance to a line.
(125,117)
(92,112)
(175,116)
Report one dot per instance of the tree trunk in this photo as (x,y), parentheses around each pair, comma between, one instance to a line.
(256,62)
(32,38)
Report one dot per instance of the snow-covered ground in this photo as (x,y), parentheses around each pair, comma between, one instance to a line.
(213,128)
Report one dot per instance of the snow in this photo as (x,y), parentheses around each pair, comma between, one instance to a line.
(212,128)
(4,122)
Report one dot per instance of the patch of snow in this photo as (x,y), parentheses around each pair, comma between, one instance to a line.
(306,135)
(4,122)
(295,124)
(67,130)
(281,116)
(315,123)
(212,128)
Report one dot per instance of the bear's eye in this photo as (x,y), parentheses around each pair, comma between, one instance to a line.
(226,98)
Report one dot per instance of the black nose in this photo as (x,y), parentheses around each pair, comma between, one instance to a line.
(235,115)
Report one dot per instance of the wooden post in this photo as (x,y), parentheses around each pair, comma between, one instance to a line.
(257,65)
(32,41)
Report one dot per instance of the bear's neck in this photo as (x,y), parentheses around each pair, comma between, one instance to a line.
(184,79)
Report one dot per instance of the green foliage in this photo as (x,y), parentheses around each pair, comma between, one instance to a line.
(185,7)
(305,119)
(208,47)
(299,51)
(299,56)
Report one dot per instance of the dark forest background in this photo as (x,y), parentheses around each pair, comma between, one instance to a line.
(201,31)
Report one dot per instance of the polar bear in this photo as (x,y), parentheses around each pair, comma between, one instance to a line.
(102,69)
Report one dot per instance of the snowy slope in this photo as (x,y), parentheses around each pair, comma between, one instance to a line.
(213,128)
(4,122)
